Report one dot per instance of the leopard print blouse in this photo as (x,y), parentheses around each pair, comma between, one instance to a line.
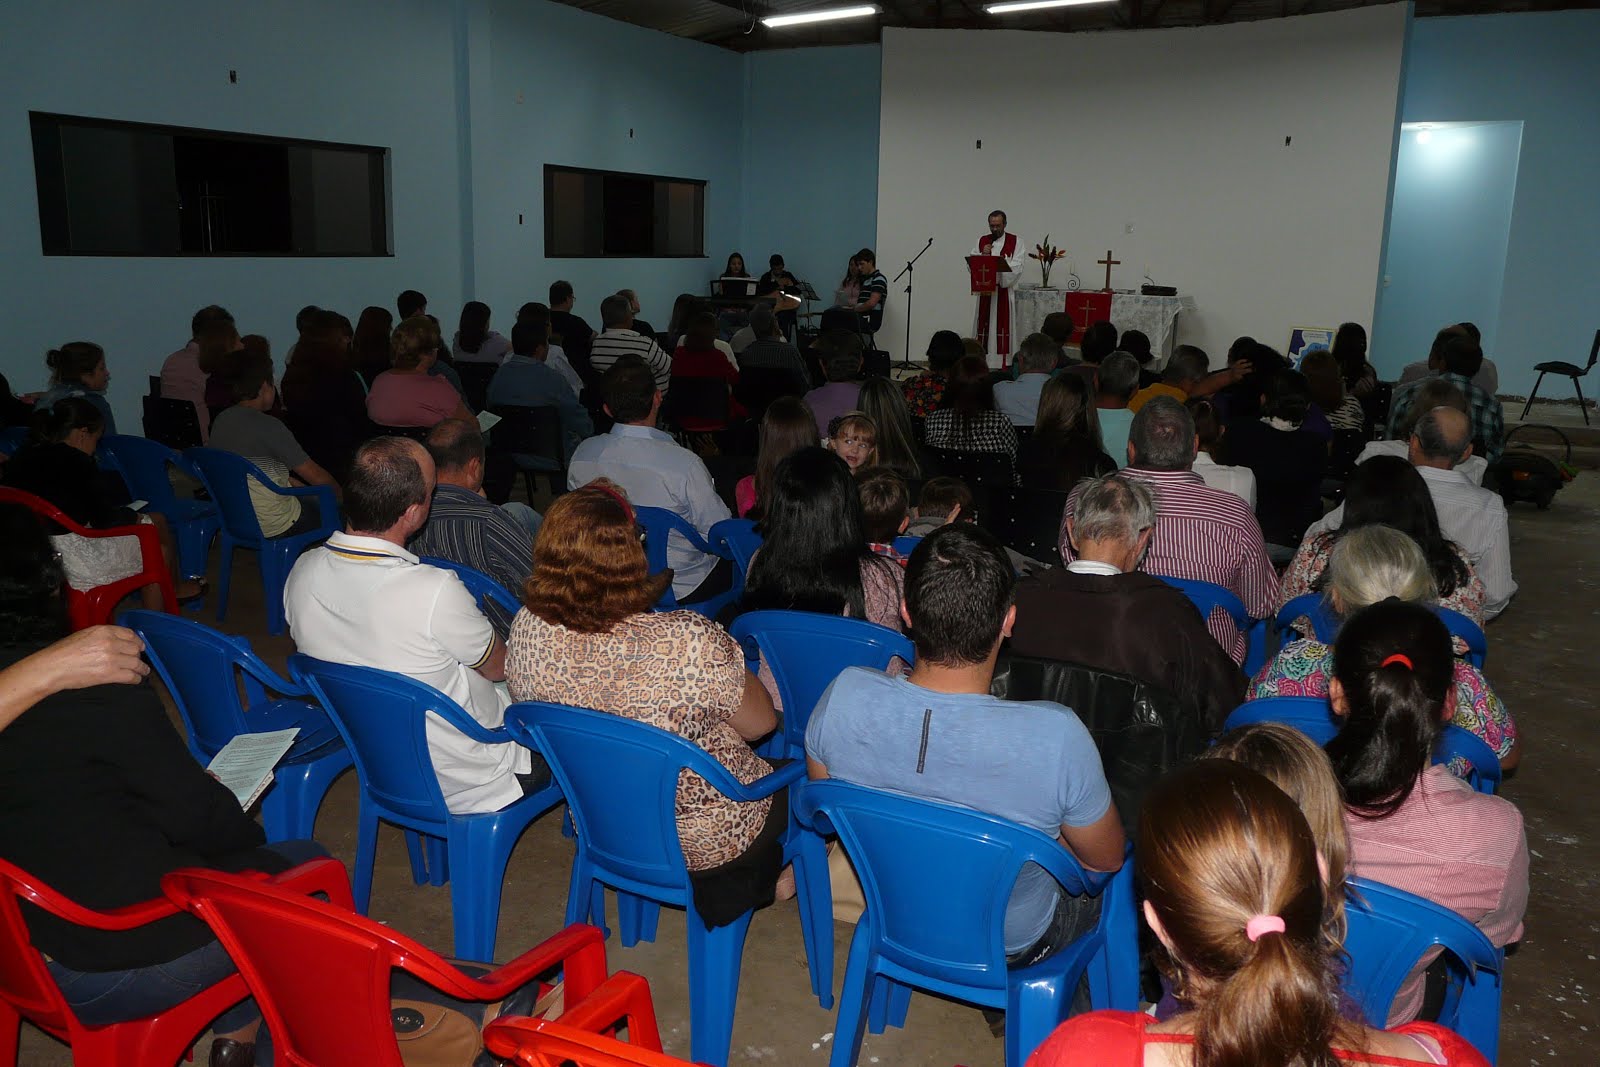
(676,670)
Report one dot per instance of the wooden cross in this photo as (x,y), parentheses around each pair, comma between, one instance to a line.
(1108,263)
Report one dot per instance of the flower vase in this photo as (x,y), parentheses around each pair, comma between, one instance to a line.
(1044,275)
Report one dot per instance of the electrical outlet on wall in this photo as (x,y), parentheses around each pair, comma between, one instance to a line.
(1127,227)
(519,98)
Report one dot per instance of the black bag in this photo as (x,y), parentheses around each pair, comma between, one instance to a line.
(1524,474)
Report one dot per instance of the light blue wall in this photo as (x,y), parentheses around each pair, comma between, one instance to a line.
(301,74)
(1539,69)
(811,159)
(1450,218)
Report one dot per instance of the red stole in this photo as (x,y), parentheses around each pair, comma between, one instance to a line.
(1002,300)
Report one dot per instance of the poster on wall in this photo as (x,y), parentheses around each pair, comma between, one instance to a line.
(1303,339)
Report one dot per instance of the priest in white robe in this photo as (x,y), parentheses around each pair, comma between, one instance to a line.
(995,308)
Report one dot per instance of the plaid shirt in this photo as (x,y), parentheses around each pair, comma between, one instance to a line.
(1488,420)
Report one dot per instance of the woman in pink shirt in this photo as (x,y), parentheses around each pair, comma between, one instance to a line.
(1414,825)
(408,396)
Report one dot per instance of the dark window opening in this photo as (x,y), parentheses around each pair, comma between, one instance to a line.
(594,214)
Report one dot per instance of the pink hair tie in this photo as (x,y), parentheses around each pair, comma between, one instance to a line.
(1263,924)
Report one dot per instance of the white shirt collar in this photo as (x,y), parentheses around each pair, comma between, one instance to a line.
(1091,566)
(359,546)
(649,433)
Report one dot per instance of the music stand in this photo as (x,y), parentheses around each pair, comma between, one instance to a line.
(907,272)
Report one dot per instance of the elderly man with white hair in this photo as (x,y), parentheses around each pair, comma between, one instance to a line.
(1036,361)
(1103,612)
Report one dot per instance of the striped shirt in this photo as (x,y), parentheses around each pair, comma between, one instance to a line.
(1475,519)
(612,345)
(1207,535)
(465,528)
(1450,844)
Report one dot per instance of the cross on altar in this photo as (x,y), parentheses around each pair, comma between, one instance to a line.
(1108,263)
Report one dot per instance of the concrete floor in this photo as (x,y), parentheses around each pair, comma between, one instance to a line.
(1552,983)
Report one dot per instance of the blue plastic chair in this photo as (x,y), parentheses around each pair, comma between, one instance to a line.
(737,539)
(1324,624)
(11,439)
(1483,763)
(201,669)
(227,477)
(937,879)
(482,587)
(620,778)
(805,652)
(1470,633)
(1208,597)
(659,524)
(906,545)
(383,718)
(144,466)
(1312,716)
(1390,930)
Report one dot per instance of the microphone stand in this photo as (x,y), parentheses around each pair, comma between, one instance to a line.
(906,363)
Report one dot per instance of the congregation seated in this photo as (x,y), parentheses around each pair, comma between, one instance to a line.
(1100,611)
(1432,393)
(854,438)
(409,393)
(1326,385)
(1116,378)
(1459,358)
(640,325)
(526,379)
(463,527)
(945,500)
(1099,340)
(619,339)
(655,471)
(587,637)
(1201,533)
(1413,824)
(557,359)
(1370,565)
(1487,378)
(840,355)
(924,391)
(787,427)
(78,369)
(1018,400)
(966,419)
(246,429)
(324,399)
(57,465)
(1287,458)
(814,552)
(1235,899)
(697,357)
(896,440)
(770,351)
(1388,491)
(474,342)
(885,509)
(1210,433)
(1059,328)
(99,798)
(1472,517)
(212,335)
(938,733)
(369,349)
(1065,446)
(570,332)
(1137,344)
(365,600)
(1350,352)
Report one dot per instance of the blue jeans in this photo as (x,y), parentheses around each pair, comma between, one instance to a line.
(525,516)
(100,998)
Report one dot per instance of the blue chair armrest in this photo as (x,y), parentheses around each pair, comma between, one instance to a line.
(324,497)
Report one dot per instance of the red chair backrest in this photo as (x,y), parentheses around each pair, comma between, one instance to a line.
(25,982)
(543,1043)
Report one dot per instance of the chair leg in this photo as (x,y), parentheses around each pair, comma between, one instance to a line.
(1583,408)
(274,575)
(888,1006)
(1033,1010)
(637,918)
(851,1024)
(366,854)
(815,898)
(1537,382)
(439,864)
(715,957)
(10,1034)
(474,892)
(224,577)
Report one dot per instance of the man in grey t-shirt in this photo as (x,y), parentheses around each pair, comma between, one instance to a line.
(937,733)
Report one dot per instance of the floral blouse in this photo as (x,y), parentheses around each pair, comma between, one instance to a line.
(1311,560)
(923,393)
(676,670)
(1302,669)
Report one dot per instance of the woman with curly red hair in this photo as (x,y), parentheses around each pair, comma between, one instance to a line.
(587,637)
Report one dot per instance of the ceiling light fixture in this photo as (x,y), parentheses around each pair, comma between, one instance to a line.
(1015,6)
(829,14)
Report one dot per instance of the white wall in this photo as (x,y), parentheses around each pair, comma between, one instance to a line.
(1179,133)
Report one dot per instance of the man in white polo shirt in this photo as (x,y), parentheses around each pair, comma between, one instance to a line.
(363,599)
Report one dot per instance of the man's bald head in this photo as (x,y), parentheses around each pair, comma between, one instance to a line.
(389,477)
(457,448)
(1442,438)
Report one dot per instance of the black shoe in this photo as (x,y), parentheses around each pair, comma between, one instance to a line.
(226,1052)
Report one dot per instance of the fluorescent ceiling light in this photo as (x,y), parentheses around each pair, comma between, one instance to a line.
(1035,5)
(824,15)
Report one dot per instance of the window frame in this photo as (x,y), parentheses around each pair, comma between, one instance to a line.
(552,169)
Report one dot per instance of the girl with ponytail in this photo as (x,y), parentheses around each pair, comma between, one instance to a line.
(1234,894)
(1414,825)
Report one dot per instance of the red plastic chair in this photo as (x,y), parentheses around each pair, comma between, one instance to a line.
(581,1035)
(100,603)
(28,992)
(320,972)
